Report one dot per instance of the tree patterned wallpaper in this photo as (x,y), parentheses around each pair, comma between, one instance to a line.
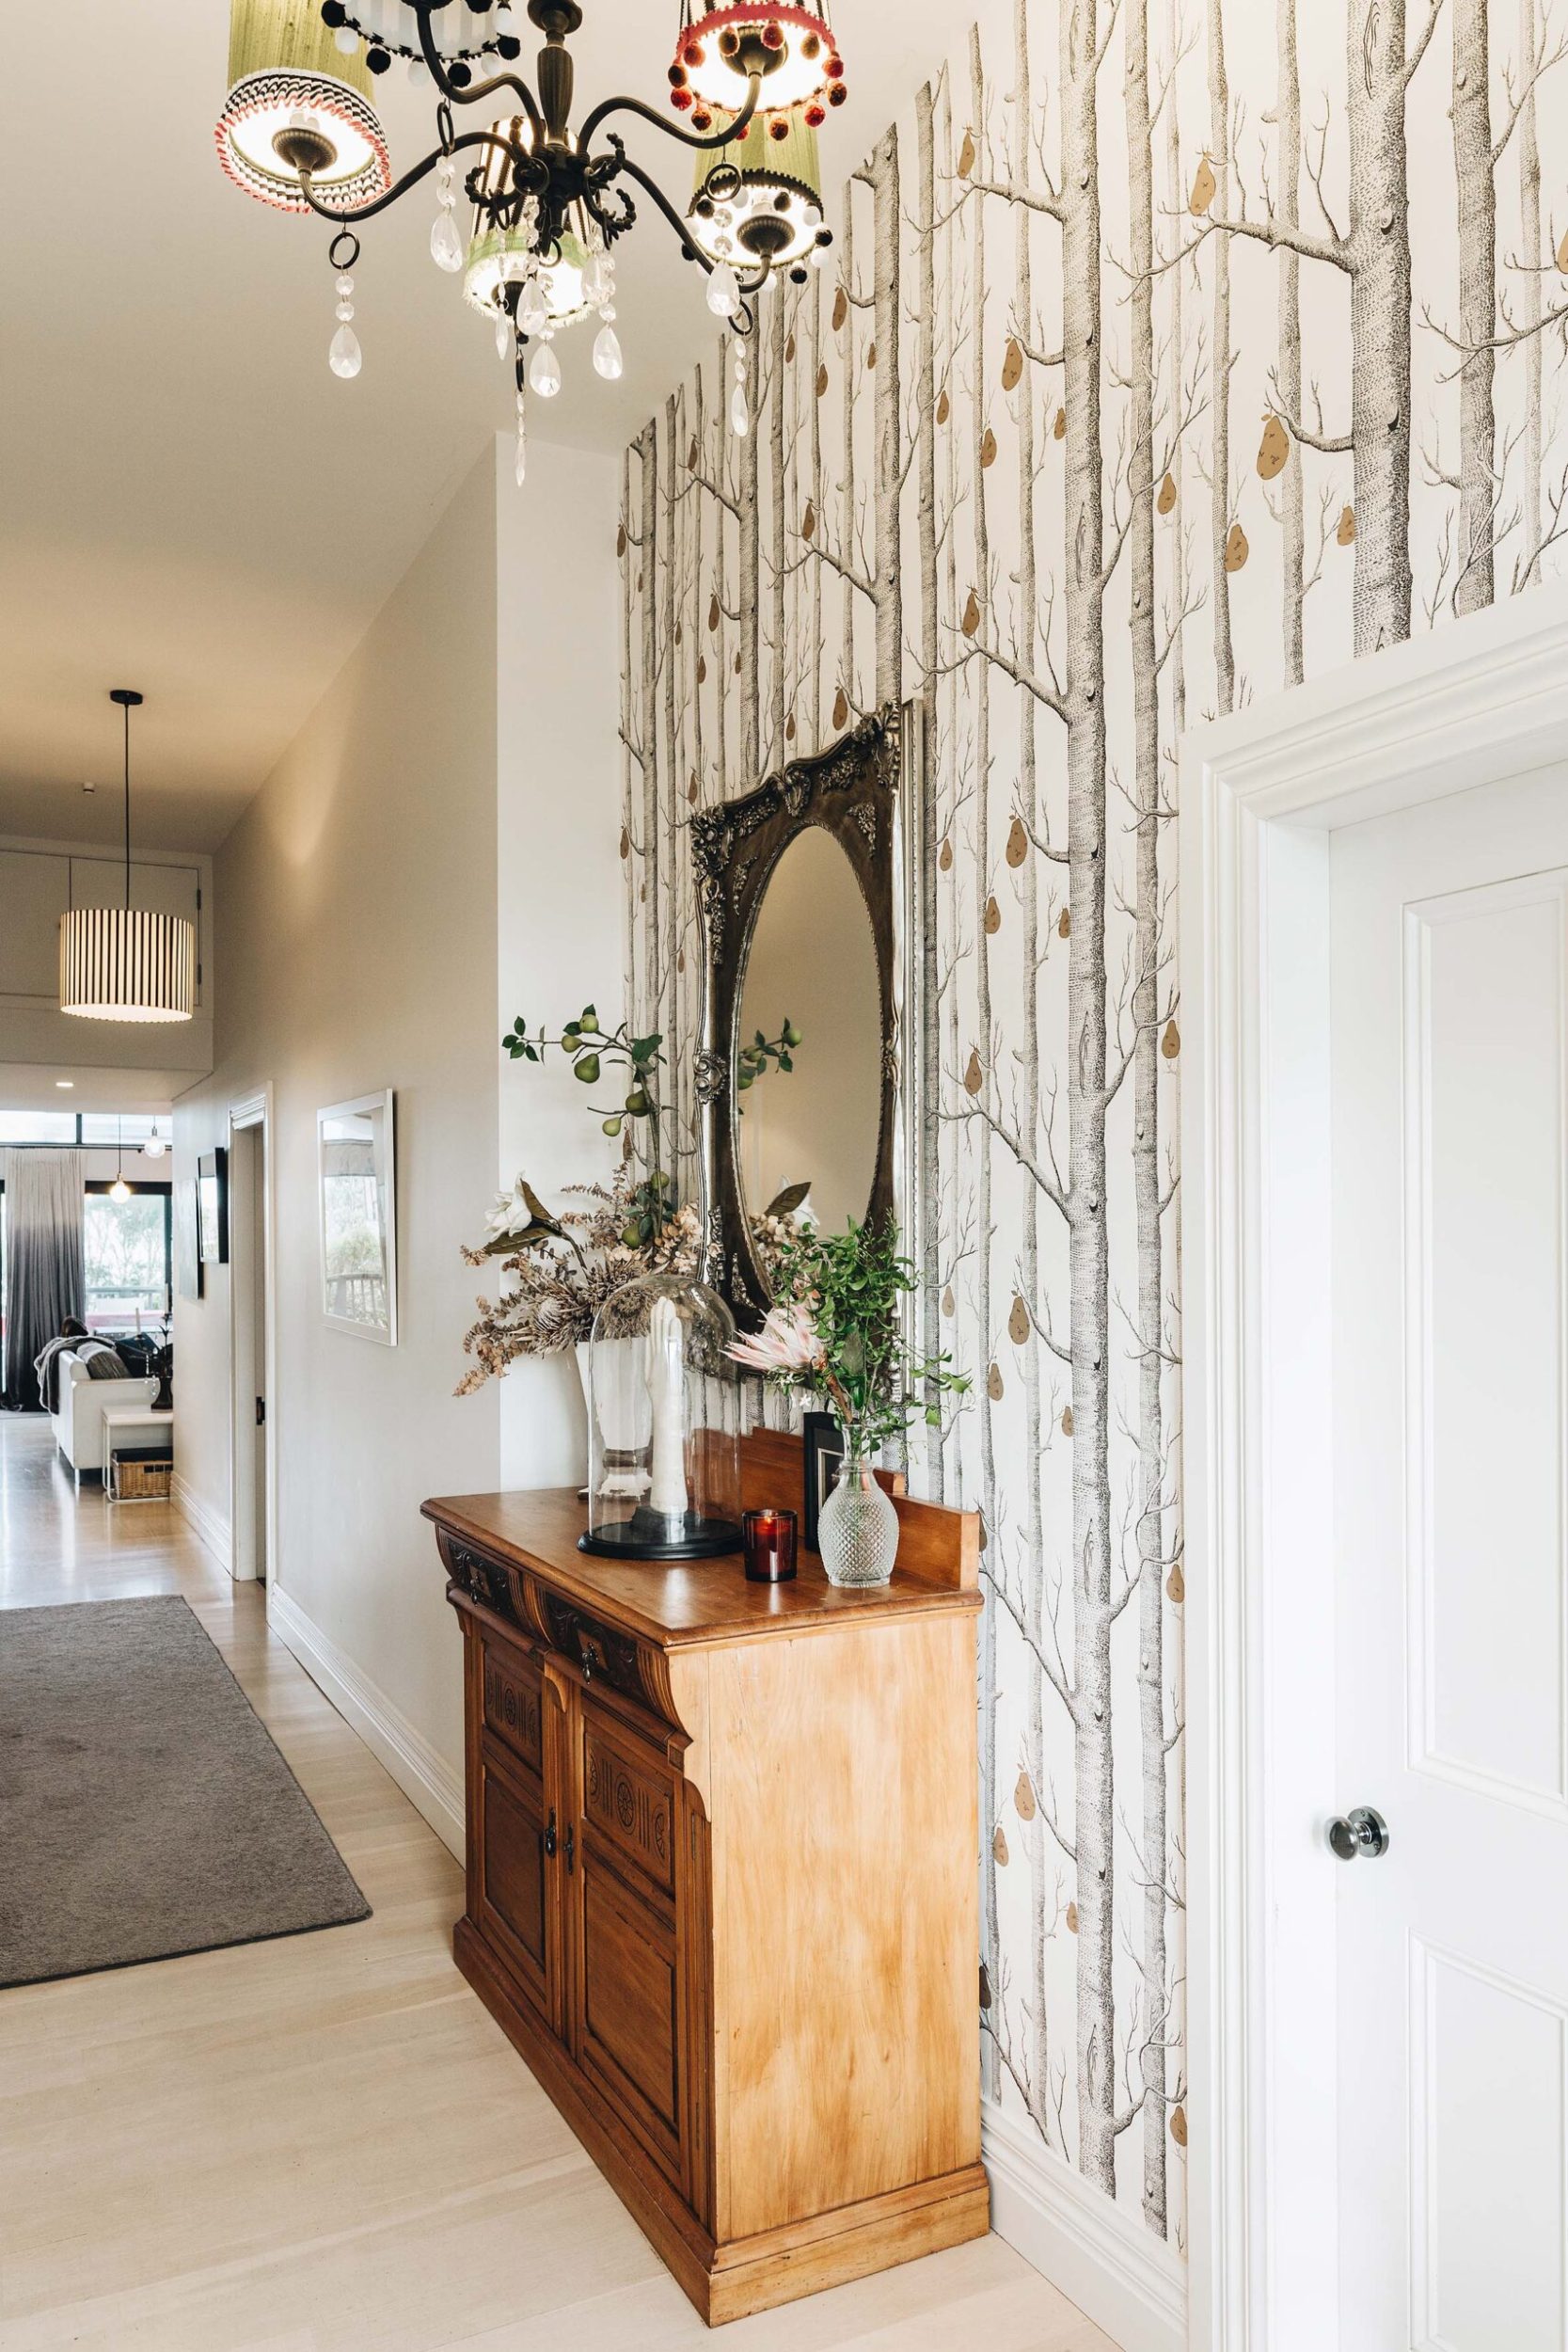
(1167,352)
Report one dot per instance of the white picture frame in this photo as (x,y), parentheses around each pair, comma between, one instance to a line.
(357,1217)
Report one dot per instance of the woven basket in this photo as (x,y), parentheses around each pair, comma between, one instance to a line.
(140,1482)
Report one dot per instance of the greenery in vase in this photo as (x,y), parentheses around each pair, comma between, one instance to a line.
(837,1331)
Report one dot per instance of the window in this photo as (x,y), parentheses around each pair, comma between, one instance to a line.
(37,1127)
(126,1245)
(108,1128)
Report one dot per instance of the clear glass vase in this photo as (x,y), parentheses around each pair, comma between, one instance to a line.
(857,1530)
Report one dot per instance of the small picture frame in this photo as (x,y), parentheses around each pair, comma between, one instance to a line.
(212,1207)
(824,1444)
(357,1181)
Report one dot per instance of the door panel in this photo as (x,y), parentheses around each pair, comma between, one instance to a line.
(518,1890)
(1449,959)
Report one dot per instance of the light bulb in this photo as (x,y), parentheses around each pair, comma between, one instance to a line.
(446,246)
(119,1190)
(345,355)
(607,354)
(155,1147)
(544,371)
(723,292)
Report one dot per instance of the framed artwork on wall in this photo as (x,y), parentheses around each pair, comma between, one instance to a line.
(824,1444)
(356,1181)
(212,1207)
(187,1260)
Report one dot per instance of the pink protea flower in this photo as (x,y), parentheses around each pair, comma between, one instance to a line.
(786,1343)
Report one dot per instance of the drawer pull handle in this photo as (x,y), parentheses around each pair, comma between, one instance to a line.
(571,1846)
(549,1837)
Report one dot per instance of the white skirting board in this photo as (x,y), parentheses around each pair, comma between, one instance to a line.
(426,1780)
(213,1528)
(1129,2282)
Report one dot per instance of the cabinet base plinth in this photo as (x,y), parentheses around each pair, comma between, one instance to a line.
(726,2282)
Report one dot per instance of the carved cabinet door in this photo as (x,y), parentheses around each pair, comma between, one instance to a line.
(630,2022)
(519,1836)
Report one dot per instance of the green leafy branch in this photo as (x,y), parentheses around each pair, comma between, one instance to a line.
(852,1285)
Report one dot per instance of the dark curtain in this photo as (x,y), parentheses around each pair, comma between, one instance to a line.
(45,1277)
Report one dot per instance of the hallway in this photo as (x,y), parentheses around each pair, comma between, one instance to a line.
(323,2143)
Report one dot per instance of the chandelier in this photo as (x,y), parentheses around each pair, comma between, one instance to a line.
(548,203)
(127,963)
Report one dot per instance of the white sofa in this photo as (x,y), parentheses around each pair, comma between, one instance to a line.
(81,1402)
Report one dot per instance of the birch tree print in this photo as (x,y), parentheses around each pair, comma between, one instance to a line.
(1117,266)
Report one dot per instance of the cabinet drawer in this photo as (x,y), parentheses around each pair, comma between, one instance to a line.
(629,1802)
(514,1703)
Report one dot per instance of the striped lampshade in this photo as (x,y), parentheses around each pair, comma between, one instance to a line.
(293,95)
(126,963)
(775,209)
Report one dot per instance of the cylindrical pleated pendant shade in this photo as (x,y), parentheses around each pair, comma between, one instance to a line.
(126,963)
(286,74)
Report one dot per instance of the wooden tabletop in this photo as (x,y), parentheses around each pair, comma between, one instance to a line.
(678,1602)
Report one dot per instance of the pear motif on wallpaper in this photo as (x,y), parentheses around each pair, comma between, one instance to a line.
(692,792)
(1562,253)
(994,1385)
(1067,1420)
(626,843)
(1012,364)
(871,355)
(1175,1584)
(691,455)
(789,728)
(702,668)
(966,155)
(1018,1323)
(620,542)
(677,629)
(994,919)
(949,1304)
(808,521)
(1170,1044)
(841,709)
(971,615)
(945,407)
(999,1845)
(789,348)
(985,1988)
(1165,502)
(1204,184)
(713,617)
(738,661)
(975,1077)
(1058,431)
(1178,2126)
(680,961)
(1274,449)
(1072,1919)
(1024,1798)
(841,308)
(1346,533)
(1018,842)
(944,855)
(821,379)
(988,448)
(1064,924)
(1236,549)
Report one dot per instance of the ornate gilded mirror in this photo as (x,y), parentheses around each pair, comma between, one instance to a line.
(803,886)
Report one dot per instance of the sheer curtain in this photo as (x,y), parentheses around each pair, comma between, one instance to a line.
(45,1277)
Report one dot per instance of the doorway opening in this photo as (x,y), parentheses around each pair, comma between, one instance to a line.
(253,1481)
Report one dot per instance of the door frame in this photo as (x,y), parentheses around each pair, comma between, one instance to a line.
(255,1111)
(1479,701)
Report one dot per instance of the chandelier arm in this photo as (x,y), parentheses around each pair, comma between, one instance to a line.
(747,285)
(415,172)
(661,122)
(472,95)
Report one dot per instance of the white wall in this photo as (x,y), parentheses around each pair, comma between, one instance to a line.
(431,846)
(560,943)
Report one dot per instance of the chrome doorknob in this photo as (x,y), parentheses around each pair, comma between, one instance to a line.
(1362,1831)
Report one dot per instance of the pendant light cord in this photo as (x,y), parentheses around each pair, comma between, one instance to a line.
(127,711)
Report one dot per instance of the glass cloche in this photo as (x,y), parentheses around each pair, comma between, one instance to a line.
(663,1425)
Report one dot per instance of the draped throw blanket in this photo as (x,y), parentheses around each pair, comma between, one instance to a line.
(45,1275)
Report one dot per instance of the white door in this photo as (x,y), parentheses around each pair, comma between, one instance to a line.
(1450,1030)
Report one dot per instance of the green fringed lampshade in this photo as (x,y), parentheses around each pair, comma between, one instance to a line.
(126,963)
(296,101)
(773,209)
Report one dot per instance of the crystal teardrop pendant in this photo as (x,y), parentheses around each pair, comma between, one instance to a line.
(740,421)
(446,246)
(503,335)
(723,292)
(519,465)
(544,372)
(531,312)
(344,355)
(607,354)
(597,282)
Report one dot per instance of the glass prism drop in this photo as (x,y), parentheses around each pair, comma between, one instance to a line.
(607,354)
(446,246)
(344,355)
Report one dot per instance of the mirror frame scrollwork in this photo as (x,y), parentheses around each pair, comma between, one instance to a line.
(857,790)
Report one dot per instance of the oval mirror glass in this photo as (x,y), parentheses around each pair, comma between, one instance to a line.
(810,1115)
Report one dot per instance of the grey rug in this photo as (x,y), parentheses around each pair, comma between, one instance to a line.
(144,1809)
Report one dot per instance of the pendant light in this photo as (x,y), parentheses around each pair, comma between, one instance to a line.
(762,201)
(127,963)
(298,104)
(155,1147)
(119,1190)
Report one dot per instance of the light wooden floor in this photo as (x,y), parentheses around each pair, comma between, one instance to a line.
(323,2144)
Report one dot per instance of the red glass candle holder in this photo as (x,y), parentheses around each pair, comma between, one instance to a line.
(767,1538)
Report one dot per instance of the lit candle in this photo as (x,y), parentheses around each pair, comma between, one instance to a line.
(769,1539)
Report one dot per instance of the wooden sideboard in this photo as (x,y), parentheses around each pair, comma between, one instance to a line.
(721,1882)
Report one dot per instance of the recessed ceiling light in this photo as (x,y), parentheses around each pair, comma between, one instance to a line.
(67,1083)
(89,788)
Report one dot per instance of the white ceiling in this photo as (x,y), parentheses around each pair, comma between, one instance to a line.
(190,501)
